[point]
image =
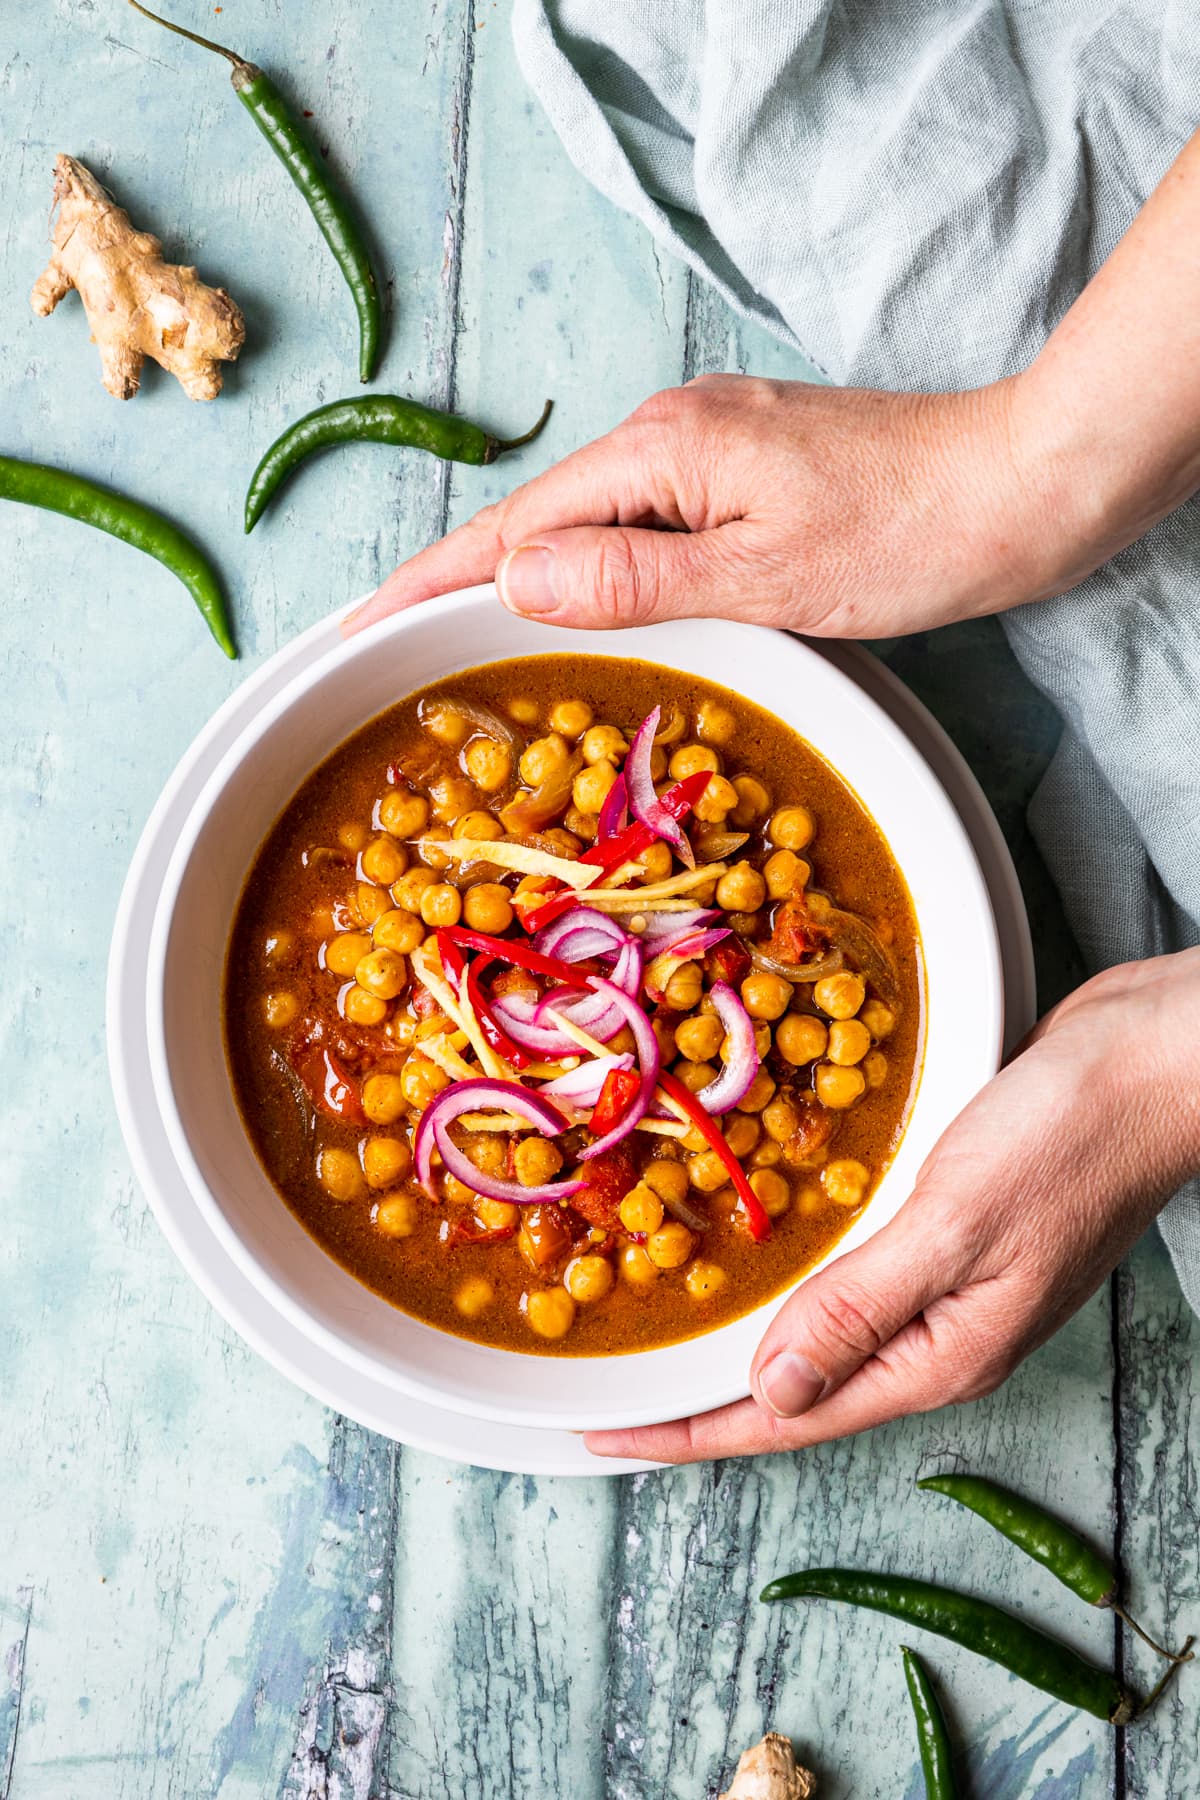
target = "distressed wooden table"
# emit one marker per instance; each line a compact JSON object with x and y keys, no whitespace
{"x":208,"y":1585}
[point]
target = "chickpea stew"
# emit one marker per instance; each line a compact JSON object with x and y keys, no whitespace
{"x":574,"y":1005}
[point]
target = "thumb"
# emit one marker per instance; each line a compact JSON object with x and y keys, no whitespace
{"x":594,"y":577}
{"x":837,"y":1320}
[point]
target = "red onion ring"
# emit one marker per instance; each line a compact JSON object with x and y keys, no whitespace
{"x":647,"y":808}
{"x":660,"y":926}
{"x":479,"y":1095}
{"x":614,"y":814}
{"x":518,"y":1016}
{"x":551,"y":938}
{"x":737,"y":1077}
{"x":592,"y":1012}
{"x":581,"y":1086}
{"x":648,"y":1061}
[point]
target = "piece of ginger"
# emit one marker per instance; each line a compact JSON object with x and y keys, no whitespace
{"x":136,"y":304}
{"x":769,"y":1771}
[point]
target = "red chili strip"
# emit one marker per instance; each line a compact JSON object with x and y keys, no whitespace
{"x":491,"y":1027}
{"x":710,"y":1131}
{"x":453,"y":961}
{"x":506,"y":950}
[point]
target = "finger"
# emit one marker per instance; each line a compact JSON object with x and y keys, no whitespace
{"x":616,"y":479}
{"x":839,"y":1319}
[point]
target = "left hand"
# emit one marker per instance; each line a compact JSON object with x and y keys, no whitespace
{"x":1027,"y":1202}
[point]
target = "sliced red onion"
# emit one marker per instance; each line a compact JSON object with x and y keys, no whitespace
{"x":648,"y":1062}
{"x":552,"y":938}
{"x":645,"y":803}
{"x":691,"y":944}
{"x":661,"y":926}
{"x":614,"y":814}
{"x":583,"y":943}
{"x":737,"y":1077}
{"x":581,"y":1086}
{"x":518,"y":1016}
{"x":591,"y":1012}
{"x":477,"y":1096}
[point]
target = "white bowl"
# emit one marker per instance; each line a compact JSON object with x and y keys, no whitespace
{"x":265,"y":765}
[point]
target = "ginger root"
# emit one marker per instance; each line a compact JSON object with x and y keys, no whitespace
{"x":769,"y":1771}
{"x":136,"y":304}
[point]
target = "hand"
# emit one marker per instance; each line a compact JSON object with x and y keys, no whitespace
{"x":1028,"y":1201}
{"x":838,"y":512}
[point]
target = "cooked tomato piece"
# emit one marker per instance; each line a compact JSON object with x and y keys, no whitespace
{"x":616,"y":1097}
{"x":813,"y":1132}
{"x":794,"y":933}
{"x":727,"y":961}
{"x":470,"y":1231}
{"x":609,"y":1178}
{"x":544,"y":1236}
{"x":327,"y":1083}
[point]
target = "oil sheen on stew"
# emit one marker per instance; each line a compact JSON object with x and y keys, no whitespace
{"x":750,"y":1054}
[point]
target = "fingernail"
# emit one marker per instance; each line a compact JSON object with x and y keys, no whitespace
{"x":789,"y":1384}
{"x":525,"y":579}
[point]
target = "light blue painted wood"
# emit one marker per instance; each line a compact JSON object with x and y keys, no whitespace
{"x":208,"y":1586}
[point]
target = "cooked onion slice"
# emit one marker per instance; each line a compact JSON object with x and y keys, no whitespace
{"x":472,"y":1096}
{"x":647,"y":808}
{"x":737,"y":1077}
{"x":828,"y":963}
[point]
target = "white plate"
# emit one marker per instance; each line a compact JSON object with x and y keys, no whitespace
{"x":316,"y":1367}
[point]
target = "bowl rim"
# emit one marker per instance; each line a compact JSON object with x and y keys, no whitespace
{"x":987,"y":1038}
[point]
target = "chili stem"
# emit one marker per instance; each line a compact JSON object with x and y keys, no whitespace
{"x":1181,"y":1656}
{"x":239,"y":62}
{"x":1167,"y":1675}
{"x":497,"y":446}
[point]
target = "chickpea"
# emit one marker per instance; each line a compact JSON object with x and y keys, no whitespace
{"x":483,"y":827}
{"x":571,"y":718}
{"x":339,"y":1174}
{"x":641,"y":1209}
{"x":849,"y":1041}
{"x":342,"y":954}
{"x":696,"y":1075}
{"x":370,"y":903}
{"x":591,"y":786}
{"x":792,"y":827}
{"x":563,"y":843}
{"x":382,"y":973}
{"x":352,"y":836}
{"x":785,"y":873}
{"x":603,"y":743}
{"x":397,"y":1215}
{"x":399,"y":931}
{"x":496,"y":1215}
{"x":655,"y":863}
{"x":875,"y":1068}
{"x":488,"y":908}
{"x":694,"y":1142}
{"x":879,"y":1019}
{"x":621,"y":1041}
{"x":280,"y":1009}
{"x":383,"y":861}
{"x":588,"y":1278}
{"x":703,"y":1279}
{"x":410,"y":889}
{"x":670,"y":1246}
{"x":741,"y":888}
{"x":840,"y":995}
{"x":536,"y":1160}
{"x":321,"y":922}
{"x":837,"y":1088}
{"x":741,"y":1134}
{"x":583,"y":825}
{"x":550,"y":1312}
{"x":421,"y":1080}
{"x":706,"y":1172}
{"x":780,"y":1119}
{"x":766,"y":996}
{"x":800,"y":1038}
{"x":758,"y":1093}
{"x":658,"y":765}
{"x":444,"y":722}
{"x":689,"y":759}
{"x":845,"y":1181}
{"x":766,"y":1154}
{"x":280,"y":947}
{"x":474,"y":1296}
{"x":635,"y":1267}
{"x":488,"y":763}
{"x":441,"y":904}
{"x":401,"y":1031}
{"x":523,"y":710}
{"x":753,"y":801}
{"x":489,"y":1152}
{"x":684,"y":988}
{"x":544,"y":758}
{"x":383,"y":1098}
{"x":386,"y":1161}
{"x":716,"y":802}
{"x":362,"y":1008}
{"x":762,"y":1041}
{"x":665,"y":1178}
{"x":715,"y":724}
{"x":404,"y":813}
{"x":699,"y":1039}
{"x":457,"y":1192}
{"x":436,"y":859}
{"x":449,"y":796}
{"x":773,"y":1191}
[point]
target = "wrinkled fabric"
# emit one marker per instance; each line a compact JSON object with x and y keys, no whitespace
{"x":913,"y":196}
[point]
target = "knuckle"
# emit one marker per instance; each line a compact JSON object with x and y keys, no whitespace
{"x":839,"y":1322}
{"x":619,"y":580}
{"x":662,"y":408}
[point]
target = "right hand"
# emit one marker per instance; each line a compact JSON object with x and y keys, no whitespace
{"x":833,"y":511}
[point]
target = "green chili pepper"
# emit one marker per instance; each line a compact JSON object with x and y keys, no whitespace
{"x":932,"y":1739}
{"x":376,"y":419}
{"x":975,"y":1624}
{"x":304,"y":163}
{"x":34,"y":484}
{"x":1047,"y":1540}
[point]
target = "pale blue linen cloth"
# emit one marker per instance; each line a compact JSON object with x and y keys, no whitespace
{"x":913,"y":195}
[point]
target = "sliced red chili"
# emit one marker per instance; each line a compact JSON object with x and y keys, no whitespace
{"x":616,"y":1096}
{"x":491,"y":1027}
{"x":327,"y":1084}
{"x":453,"y":961}
{"x":506,"y":950}
{"x":710,"y":1131}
